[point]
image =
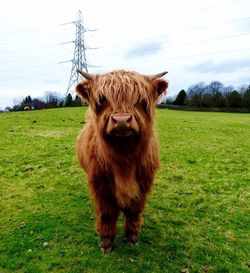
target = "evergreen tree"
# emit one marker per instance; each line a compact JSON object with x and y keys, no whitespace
{"x":181,"y":98}
{"x":234,"y":99}
{"x":77,"y":102}
{"x":27,"y":100}
{"x":68,"y":101}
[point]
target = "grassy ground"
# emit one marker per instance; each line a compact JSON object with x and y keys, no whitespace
{"x":197,"y":217}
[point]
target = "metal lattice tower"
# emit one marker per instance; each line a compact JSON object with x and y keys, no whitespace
{"x":79,"y":60}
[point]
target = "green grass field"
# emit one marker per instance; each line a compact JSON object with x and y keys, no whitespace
{"x":197,"y":218}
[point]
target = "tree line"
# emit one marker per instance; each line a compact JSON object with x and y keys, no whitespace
{"x":50,"y":100}
{"x":213,"y":95}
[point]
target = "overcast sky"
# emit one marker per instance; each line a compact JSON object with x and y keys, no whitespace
{"x":194,"y":40}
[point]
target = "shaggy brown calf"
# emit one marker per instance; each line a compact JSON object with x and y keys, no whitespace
{"x":117,"y":148}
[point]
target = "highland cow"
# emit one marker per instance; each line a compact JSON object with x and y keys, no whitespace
{"x":117,"y":147}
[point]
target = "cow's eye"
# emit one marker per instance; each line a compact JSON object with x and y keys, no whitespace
{"x":144,"y":106}
{"x":100,"y":104}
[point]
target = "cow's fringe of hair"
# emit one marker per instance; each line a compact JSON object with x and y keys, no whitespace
{"x":122,"y":87}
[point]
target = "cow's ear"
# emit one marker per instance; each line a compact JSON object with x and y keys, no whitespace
{"x":160,"y":86}
{"x":83,"y":89}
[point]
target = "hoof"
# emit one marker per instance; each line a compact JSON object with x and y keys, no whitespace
{"x":133,"y":238}
{"x":106,"y":244}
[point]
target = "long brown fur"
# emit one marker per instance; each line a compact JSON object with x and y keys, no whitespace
{"x":120,"y":171}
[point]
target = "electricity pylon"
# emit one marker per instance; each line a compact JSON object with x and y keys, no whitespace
{"x":79,"y":60}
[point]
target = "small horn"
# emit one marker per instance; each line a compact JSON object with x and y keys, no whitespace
{"x":86,"y":75}
{"x":159,"y":75}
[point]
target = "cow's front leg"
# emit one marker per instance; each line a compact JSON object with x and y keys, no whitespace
{"x":133,"y":215}
{"x":106,"y":227}
{"x":107,"y":211}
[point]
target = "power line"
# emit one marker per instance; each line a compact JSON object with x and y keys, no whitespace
{"x":133,"y":52}
{"x":137,"y":51}
{"x":180,"y":44}
{"x":31,"y":76}
{"x":176,"y":15}
{"x":146,"y":38}
{"x":28,"y":67}
{"x":146,"y":61}
{"x":185,"y":56}
{"x":58,"y":25}
{"x":222,"y":23}
{"x":184,"y":31}
{"x":16,"y":43}
{"x":142,"y":39}
{"x":118,"y":54}
{"x":35,"y":57}
{"x":203,"y":9}
{"x":197,"y":28}
{"x":29,"y":48}
{"x":29,"y":29}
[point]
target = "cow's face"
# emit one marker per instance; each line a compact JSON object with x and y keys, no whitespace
{"x":122,"y":103}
